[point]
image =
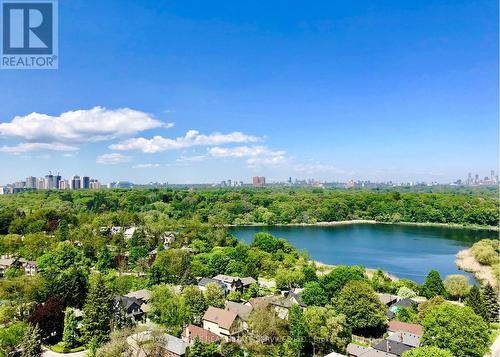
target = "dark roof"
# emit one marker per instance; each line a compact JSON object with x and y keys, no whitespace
{"x":393,"y":347}
{"x":128,"y":302}
{"x":205,"y":281}
{"x":406,"y":302}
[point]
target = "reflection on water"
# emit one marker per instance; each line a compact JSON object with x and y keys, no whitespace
{"x":403,"y":250}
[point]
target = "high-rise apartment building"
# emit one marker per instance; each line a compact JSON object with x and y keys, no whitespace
{"x":76,"y":183}
{"x":85,"y":182}
{"x":31,"y":182}
{"x":259,"y":181}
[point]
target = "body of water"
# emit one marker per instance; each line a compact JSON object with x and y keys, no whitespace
{"x":403,"y":250}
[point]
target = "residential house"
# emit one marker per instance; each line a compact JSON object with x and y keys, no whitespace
{"x":234,"y":283}
{"x":280,"y":304}
{"x":165,"y":345}
{"x":6,"y":263}
{"x":129,"y":233}
{"x":143,"y":296}
{"x":405,"y":338}
{"x":243,"y":311}
{"x":335,"y":354}
{"x":387,"y":299}
{"x":394,"y":347}
{"x":354,"y":350}
{"x":131,"y":307}
{"x":202,"y":284}
{"x":226,"y":324}
{"x":400,"y":304}
{"x":295,"y":297}
{"x":398,"y":326}
{"x":191,"y":332}
{"x":29,"y":266}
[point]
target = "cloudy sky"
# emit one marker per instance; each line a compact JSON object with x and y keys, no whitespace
{"x":189,"y":92}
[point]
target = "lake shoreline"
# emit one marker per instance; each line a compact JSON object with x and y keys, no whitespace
{"x":482,"y":273}
{"x":366,"y":221}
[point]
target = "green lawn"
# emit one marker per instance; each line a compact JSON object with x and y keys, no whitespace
{"x":59,"y":348}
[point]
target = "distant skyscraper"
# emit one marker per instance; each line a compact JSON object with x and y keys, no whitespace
{"x":31,"y":182}
{"x":63,"y":185}
{"x":75,"y":183}
{"x":50,"y":182}
{"x":492,"y":174}
{"x":40,"y":185}
{"x":259,"y":181}
{"x":85,"y":182}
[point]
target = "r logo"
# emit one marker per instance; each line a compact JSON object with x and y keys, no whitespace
{"x":27,"y":28}
{"x":29,"y":33}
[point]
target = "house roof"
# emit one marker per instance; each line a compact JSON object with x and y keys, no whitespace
{"x":387,"y":299}
{"x":406,"y":302}
{"x":297,"y":297}
{"x":205,"y":281}
{"x":355,"y":350}
{"x":143,"y":294}
{"x":243,"y":311}
{"x":127,"y":302}
{"x":168,"y":342}
{"x":248,"y":281}
{"x":393,"y":347}
{"x":206,"y":336}
{"x":226,"y":278}
{"x":406,"y":338}
{"x":334,"y":354}
{"x":376,"y":353}
{"x":7,"y":261}
{"x":398,"y":326}
{"x":221,"y":317}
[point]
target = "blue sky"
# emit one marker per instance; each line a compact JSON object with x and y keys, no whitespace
{"x":197,"y":91}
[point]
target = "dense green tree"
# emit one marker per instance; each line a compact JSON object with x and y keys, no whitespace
{"x":289,"y":278}
{"x":171,"y":266}
{"x":194,"y":303}
{"x":326,"y":330}
{"x":201,"y":349}
{"x":97,"y":311}
{"x":65,"y":272}
{"x":309,"y":272}
{"x":456,"y":286}
{"x":70,"y":335}
{"x":11,"y":337}
{"x":167,"y":308}
{"x":406,"y":293}
{"x":429,"y":305}
{"x":433,"y":285}
{"x":491,"y":301}
{"x":297,"y":334}
{"x":334,"y":281}
{"x":62,"y":233}
{"x":214,"y":295}
{"x":265,"y":242}
{"x":104,"y":259}
{"x":457,"y":329}
{"x":475,"y":300}
{"x":427,"y":352}
{"x":364,"y":312}
{"x":314,"y":294}
{"x":32,"y":342}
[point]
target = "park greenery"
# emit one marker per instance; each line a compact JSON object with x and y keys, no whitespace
{"x":82,"y":266}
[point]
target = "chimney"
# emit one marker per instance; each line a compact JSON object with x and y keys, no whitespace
{"x":401,"y":337}
{"x":388,"y":348}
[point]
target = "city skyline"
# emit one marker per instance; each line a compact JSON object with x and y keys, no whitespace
{"x":190,"y":94}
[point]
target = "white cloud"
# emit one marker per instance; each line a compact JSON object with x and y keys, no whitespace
{"x":257,"y":156}
{"x":192,"y":138}
{"x":26,"y":147}
{"x":146,"y":166}
{"x":196,"y":158}
{"x":79,"y":126}
{"x":113,"y":159}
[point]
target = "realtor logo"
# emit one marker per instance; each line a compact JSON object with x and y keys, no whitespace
{"x":29,"y":34}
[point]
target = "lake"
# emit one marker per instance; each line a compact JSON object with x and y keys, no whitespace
{"x":402,"y":250}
